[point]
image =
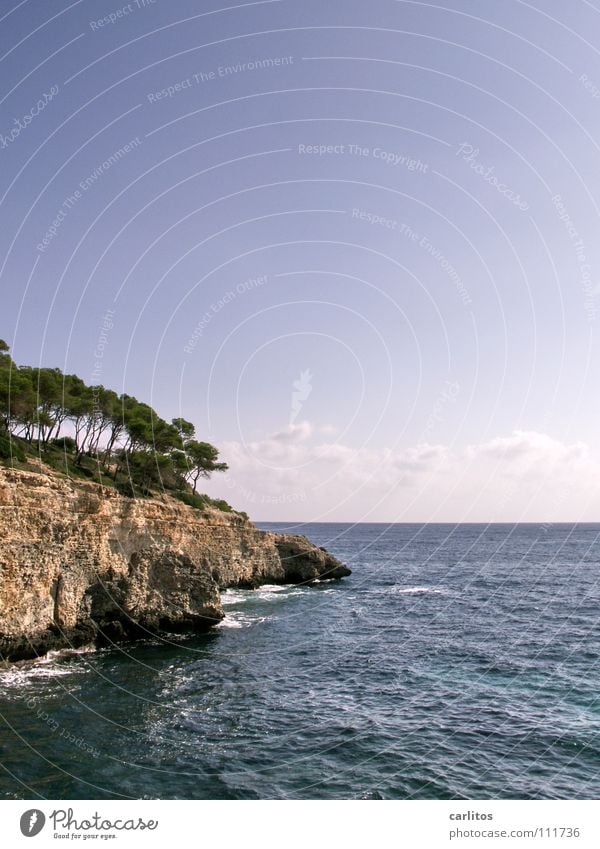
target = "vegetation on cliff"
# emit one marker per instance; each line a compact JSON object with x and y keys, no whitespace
{"x":91,"y":431}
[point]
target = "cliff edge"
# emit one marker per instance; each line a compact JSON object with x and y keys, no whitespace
{"x":81,"y":564}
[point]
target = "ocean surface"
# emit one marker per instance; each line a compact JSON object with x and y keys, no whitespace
{"x":456,"y":662}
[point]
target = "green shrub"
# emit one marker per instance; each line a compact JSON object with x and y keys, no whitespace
{"x":220,"y":505}
{"x":197,"y":501}
{"x":10,"y":449}
{"x":125,"y":487}
{"x":201,"y":502}
{"x":65,"y":443}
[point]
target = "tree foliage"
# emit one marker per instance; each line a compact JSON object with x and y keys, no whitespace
{"x":49,"y":410}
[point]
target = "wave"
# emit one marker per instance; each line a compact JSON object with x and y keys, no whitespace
{"x":241,"y":620}
{"x":418,"y":590}
{"x":51,"y":665}
{"x":268,"y":592}
{"x":234,"y":597}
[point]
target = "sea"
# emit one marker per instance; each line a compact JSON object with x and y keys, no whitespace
{"x":456,"y":662}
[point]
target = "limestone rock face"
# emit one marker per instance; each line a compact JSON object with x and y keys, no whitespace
{"x":80,"y":563}
{"x":304,"y":562}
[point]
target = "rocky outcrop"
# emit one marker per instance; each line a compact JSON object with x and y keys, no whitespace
{"x":303,"y":562}
{"x":80,"y":563}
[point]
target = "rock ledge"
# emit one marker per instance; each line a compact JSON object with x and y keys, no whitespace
{"x":81,"y":564}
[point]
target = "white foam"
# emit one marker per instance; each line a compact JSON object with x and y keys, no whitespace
{"x":229,"y":622}
{"x":267,"y":592}
{"x":48,"y":666}
{"x":417,"y":590}
{"x":241,"y":620}
{"x":234,"y":597}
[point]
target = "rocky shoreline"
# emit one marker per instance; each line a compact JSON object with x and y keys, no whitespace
{"x":81,"y":564}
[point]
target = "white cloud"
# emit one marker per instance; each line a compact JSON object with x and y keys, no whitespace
{"x":294,"y":433}
{"x":297,"y":473}
{"x":529,"y":447}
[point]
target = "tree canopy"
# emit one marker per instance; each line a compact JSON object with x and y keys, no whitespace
{"x":46,"y":410}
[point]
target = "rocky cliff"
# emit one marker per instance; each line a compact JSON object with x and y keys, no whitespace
{"x":80,"y":563}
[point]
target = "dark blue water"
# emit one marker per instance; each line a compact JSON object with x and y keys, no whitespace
{"x":456,"y":662}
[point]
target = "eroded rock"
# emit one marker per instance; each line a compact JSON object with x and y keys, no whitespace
{"x":81,"y":564}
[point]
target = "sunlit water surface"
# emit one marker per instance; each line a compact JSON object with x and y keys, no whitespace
{"x":455,"y":662}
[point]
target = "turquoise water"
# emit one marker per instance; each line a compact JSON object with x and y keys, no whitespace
{"x":455,"y":662}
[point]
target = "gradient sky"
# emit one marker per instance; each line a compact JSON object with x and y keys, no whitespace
{"x":397,"y":325}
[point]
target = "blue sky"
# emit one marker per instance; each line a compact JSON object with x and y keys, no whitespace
{"x":355,"y":243}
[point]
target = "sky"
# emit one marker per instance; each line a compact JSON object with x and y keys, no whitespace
{"x":355,"y":244}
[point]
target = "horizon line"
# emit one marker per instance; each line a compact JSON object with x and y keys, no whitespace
{"x":339,"y":522}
